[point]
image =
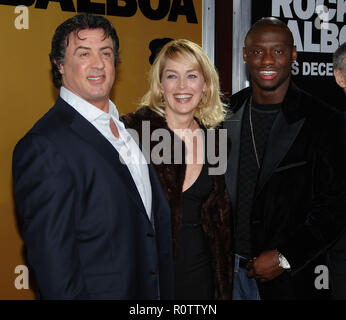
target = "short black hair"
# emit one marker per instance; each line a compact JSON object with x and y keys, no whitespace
{"x":339,"y":58}
{"x":155,"y":46}
{"x":75,"y":24}
{"x":271,"y":21}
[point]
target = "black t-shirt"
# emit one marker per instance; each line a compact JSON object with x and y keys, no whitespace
{"x":251,"y":141}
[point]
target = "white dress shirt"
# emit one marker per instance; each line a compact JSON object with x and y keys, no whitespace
{"x":128,"y":149}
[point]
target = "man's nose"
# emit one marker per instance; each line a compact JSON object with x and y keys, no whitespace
{"x":98,"y":61}
{"x":268,"y":58}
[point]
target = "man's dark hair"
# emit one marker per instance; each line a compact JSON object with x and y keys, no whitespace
{"x":271,"y":21}
{"x":75,"y":24}
{"x":339,"y":58}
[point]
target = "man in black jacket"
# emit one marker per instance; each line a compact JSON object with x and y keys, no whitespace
{"x":96,"y":225}
{"x":338,"y":251}
{"x":285,"y":175}
{"x":339,"y":63}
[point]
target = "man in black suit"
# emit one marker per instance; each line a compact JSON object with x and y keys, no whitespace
{"x":285,"y":175}
{"x":95,"y":221}
{"x":339,"y":63}
{"x":338,"y":251}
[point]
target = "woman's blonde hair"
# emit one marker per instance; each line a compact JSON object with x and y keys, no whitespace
{"x":210,"y":111}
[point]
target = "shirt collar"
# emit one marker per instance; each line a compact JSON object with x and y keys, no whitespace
{"x":86,"y":109}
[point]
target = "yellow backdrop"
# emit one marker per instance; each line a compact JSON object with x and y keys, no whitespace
{"x":27,"y":91}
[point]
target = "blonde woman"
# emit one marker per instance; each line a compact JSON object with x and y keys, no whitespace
{"x":184,"y":101}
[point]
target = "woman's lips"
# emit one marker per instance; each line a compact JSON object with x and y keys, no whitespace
{"x":183,"y":98}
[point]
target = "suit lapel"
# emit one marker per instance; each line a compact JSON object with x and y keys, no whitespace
{"x":281,"y":138}
{"x":93,"y":137}
{"x":233,"y":126}
{"x":283,"y":133}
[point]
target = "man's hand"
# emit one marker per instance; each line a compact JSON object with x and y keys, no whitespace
{"x":265,"y":267}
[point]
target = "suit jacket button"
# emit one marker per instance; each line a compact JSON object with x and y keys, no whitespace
{"x":153,"y":271}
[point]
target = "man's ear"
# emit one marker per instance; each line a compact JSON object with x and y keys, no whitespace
{"x":60,"y":67}
{"x":244,"y":54}
{"x":340,"y":79}
{"x":294,"y":53}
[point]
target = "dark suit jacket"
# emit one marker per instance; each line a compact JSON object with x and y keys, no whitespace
{"x":337,"y":254}
{"x":83,"y":222}
{"x":299,"y":205}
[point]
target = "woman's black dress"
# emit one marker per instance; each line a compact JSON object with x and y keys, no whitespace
{"x":193,"y":273}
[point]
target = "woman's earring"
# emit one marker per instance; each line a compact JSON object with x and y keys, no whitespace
{"x":203,"y":100}
{"x":162,"y":99}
